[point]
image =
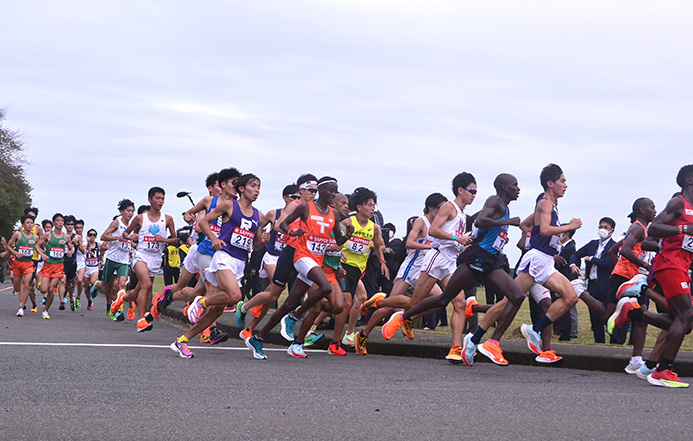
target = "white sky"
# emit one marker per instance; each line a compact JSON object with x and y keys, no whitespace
{"x":398,"y":96}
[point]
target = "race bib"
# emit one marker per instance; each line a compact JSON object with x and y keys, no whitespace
{"x":124,"y":245}
{"x":92,"y":262}
{"x":242,"y":238}
{"x":555,"y":241}
{"x":528,"y":246}
{"x":687,"y":243}
{"x":216,"y":228}
{"x":57,"y":253}
{"x":26,"y":251}
{"x":358,"y":245}
{"x":500,"y":241}
{"x":316,"y":245}
{"x":280,"y":242}
{"x":152,"y":244}
{"x":336,"y":253}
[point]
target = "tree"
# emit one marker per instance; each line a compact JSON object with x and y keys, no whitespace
{"x":14,"y":188}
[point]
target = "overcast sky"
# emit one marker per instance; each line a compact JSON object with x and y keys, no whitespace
{"x":116,"y":97}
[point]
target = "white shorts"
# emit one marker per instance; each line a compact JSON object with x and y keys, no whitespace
{"x":90,"y":270}
{"x":81,"y":264}
{"x":438,"y":265}
{"x":190,"y":262}
{"x":153,"y":261}
{"x":539,"y":293}
{"x":303,"y":266}
{"x":267,"y":259}
{"x":410,"y":269}
{"x":539,"y":265}
{"x":222,"y":261}
{"x":203,"y":261}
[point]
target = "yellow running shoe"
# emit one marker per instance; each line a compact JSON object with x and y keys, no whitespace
{"x":455,"y":355}
{"x":407,"y":329}
{"x":371,"y":304}
{"x":361,"y":344}
{"x":204,"y":337}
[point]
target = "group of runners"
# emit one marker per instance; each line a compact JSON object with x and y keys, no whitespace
{"x":318,"y":244}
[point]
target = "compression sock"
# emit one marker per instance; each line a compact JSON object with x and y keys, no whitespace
{"x":182,"y":339}
{"x":543,"y":324}
{"x":651,"y":364}
{"x":478,"y":334}
{"x":635,"y":314}
{"x":664,"y":364}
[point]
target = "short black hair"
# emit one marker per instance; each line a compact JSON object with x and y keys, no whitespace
{"x":290,"y":189}
{"x":227,"y":174}
{"x":245,"y":180}
{"x":609,"y":221}
{"x":155,"y":190}
{"x":28,"y":210}
{"x":46,"y":222}
{"x":212,"y":179}
{"x":462,"y":180}
{"x":90,"y":230}
{"x":433,"y":201}
{"x":25,"y":217}
{"x":79,"y":222}
{"x":362,"y":195}
{"x":685,"y":173}
{"x":123,"y":204}
{"x":551,"y":172}
{"x":57,"y":215}
{"x":142,"y":208}
{"x":69,"y":218}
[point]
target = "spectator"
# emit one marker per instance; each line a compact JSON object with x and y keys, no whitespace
{"x":567,"y":325}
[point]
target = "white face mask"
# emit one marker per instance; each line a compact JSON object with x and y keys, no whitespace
{"x":603,"y":233}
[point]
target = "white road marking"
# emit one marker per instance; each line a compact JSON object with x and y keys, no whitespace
{"x":116,"y":345}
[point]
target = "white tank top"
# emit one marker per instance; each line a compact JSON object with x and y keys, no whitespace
{"x":149,"y":229}
{"x":416,"y":256}
{"x":118,"y":250}
{"x":458,"y":226}
{"x":80,"y":256}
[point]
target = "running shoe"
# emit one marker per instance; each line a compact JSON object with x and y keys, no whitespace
{"x":204,"y":336}
{"x":336,"y":349}
{"x":312,"y":338}
{"x":132,"y":311}
{"x":155,"y":305}
{"x":548,"y":356}
{"x":20,"y":312}
{"x":115,"y":306}
{"x":72,"y":305}
{"x":195,"y":310}
{"x":185,"y":309}
{"x":14,"y":293}
{"x":349,"y":339}
{"x":407,"y":330}
{"x":255,"y":345}
{"x":296,"y":350}
{"x":632,"y":368}
{"x":392,"y":325}
{"x":77,"y":303}
{"x":643,"y":372}
{"x":182,"y":349}
{"x":256,"y":311}
{"x":468,"y":350}
{"x":118,"y":316}
{"x":166,"y":298}
{"x":34,"y":309}
{"x":246,"y":333}
{"x":360,"y":345}
{"x":620,"y":316}
{"x":665,"y":378}
{"x":45,"y":315}
{"x":145,"y":324}
{"x":579,"y":286}
{"x":632,"y":288}
{"x":371,"y":304}
{"x":468,"y":309}
{"x":288,"y":324}
{"x":240,"y":315}
{"x":43,"y":302}
{"x":230,"y":308}
{"x":216,"y":336}
{"x":93,"y":292}
{"x":62,"y":306}
{"x":90,"y":306}
{"x":455,"y":355}
{"x":494,"y":352}
{"x":533,"y":338}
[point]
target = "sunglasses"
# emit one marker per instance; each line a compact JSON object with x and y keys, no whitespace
{"x":471,"y":190}
{"x":91,"y":235}
{"x":294,"y":196}
{"x":69,"y":224}
{"x":312,"y":190}
{"x":79,"y":227}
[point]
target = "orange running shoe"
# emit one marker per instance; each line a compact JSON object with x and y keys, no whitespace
{"x":132,"y":310}
{"x":256,"y":311}
{"x":548,"y":356}
{"x":407,"y":329}
{"x":455,"y":355}
{"x":145,"y":324}
{"x":468,"y":309}
{"x":392,"y":325}
{"x":185,"y":310}
{"x":371,"y":304}
{"x":360,"y":341}
{"x":115,"y":306}
{"x":204,"y":337}
{"x":335,"y":348}
{"x":494,"y":352}
{"x":155,"y":305}
{"x":246,"y":334}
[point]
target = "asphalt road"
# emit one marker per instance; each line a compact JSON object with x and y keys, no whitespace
{"x":82,"y":376}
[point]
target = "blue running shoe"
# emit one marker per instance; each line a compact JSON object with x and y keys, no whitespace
{"x":468,"y":350}
{"x":533,"y":338}
{"x":643,"y":372}
{"x":255,"y":345}
{"x":240,"y":316}
{"x":296,"y":350}
{"x":288,"y":325}
{"x":312,"y":338}
{"x":632,"y":288}
{"x":93,"y":292}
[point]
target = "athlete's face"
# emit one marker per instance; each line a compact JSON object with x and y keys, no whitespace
{"x":366,"y":210}
{"x":341,"y":204}
{"x":228,"y":188}
{"x":69,"y":226}
{"x":48,"y":228}
{"x":308,"y":193}
{"x":128,"y":213}
{"x":91,"y":237}
{"x":650,"y":212}
{"x":328,"y":192}
{"x":468,"y":193}
{"x":251,"y":191}
{"x":28,"y":224}
{"x":292,"y":197}
{"x":513,"y":190}
{"x":215,"y":190}
{"x":157,"y":201}
{"x":58,"y":223}
{"x":559,"y":187}
{"x":434,"y":210}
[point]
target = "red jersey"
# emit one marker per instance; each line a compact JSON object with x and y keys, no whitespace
{"x":318,"y":228}
{"x":625,"y":267}
{"x":677,"y":251}
{"x":291,"y":240}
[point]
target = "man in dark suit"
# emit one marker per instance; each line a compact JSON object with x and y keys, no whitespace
{"x":598,"y":267}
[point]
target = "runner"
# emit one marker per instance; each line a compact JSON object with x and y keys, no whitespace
{"x":21,"y":246}
{"x":92,"y":262}
{"x":38,"y":232}
{"x":317,"y":220}
{"x":240,"y":222}
{"x":55,"y":244}
{"x":67,"y":284}
{"x":148,"y":256}
{"x":418,"y":243}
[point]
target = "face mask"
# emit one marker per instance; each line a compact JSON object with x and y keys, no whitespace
{"x":603,"y":234}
